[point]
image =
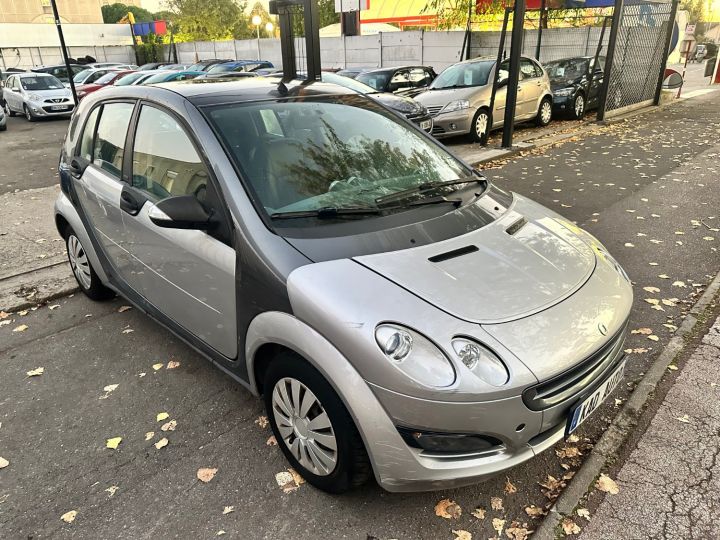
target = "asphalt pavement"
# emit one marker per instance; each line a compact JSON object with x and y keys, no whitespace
{"x":636,"y":185}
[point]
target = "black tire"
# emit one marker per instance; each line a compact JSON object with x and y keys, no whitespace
{"x":95,"y":290}
{"x":10,"y":111}
{"x":3,"y":128}
{"x":28,"y":115}
{"x":476,"y":132}
{"x":578,"y":107}
{"x":544,"y":114}
{"x":352,"y":467}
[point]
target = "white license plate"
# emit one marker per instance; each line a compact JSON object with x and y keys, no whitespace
{"x":580,"y":412}
{"x":58,"y":108}
{"x":426,"y":125}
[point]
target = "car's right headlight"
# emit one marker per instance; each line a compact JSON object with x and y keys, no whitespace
{"x":415,"y":355}
{"x":484,"y":363}
{"x":458,"y":105}
{"x":34,"y":97}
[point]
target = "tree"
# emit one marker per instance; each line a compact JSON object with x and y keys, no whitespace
{"x":206,"y":20}
{"x":114,"y":12}
{"x":326,"y":15}
{"x":695,"y":9}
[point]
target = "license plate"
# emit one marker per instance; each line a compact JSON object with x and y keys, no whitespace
{"x":58,"y":108}
{"x":580,"y":412}
{"x":426,"y":125}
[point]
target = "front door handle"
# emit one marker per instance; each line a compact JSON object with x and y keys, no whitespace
{"x":130,"y":202}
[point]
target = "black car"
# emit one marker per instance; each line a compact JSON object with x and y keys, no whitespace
{"x":576,"y":83}
{"x":205,"y":65}
{"x":352,"y":72}
{"x":151,"y":66}
{"x":60,"y":71}
{"x":406,"y":80}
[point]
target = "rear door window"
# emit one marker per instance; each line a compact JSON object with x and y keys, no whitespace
{"x":109,"y":146}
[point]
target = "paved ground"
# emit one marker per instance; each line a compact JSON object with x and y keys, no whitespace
{"x":668,"y":487}
{"x":654,"y":176}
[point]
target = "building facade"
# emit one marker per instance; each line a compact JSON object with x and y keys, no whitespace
{"x":40,"y":11}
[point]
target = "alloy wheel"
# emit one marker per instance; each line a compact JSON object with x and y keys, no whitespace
{"x":304,"y":426}
{"x":28,"y":115}
{"x":545,"y":112}
{"x":579,"y":105}
{"x":79,"y":261}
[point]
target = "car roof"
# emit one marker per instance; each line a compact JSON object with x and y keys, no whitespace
{"x":34,"y":74}
{"x":390,"y":69}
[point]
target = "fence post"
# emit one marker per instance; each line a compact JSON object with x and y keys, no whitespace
{"x":381,"y":47}
{"x":516,"y":43}
{"x":617,"y":18}
{"x":665,"y":52}
{"x":587,"y":41}
{"x":344,"y":38}
{"x":422,"y":47}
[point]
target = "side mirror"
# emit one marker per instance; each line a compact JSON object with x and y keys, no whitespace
{"x":78,"y":166}
{"x":502,"y":83}
{"x":182,"y":212}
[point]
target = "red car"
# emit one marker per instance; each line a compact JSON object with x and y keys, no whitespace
{"x":106,"y":80}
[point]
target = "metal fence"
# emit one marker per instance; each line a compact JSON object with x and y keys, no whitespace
{"x":638,"y":55}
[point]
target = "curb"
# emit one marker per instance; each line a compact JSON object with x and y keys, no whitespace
{"x":619,"y":430}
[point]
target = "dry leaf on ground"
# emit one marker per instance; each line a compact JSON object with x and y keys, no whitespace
{"x":607,"y":484}
{"x":509,"y":486}
{"x":498,"y":524}
{"x":20,"y":328}
{"x":157,"y":366}
{"x":111,"y":490}
{"x":516,"y":532}
{"x":162,"y":416}
{"x":653,"y":338}
{"x":36,"y":372}
{"x":570,"y":527}
{"x":69,"y":517}
{"x":172,"y":364}
{"x":149,"y":435}
{"x":162,"y":443}
{"x":170,"y":426}
{"x":289,"y":480}
{"x":583,"y":513}
{"x":123,"y":309}
{"x":642,"y":331}
{"x":448,"y":509}
{"x":262,"y":421}
{"x":568,"y":452}
{"x":496,"y":503}
{"x":651,"y":289}
{"x":110,"y":388}
{"x":534,"y":511}
{"x":479,"y":513}
{"x":4,"y":315}
{"x":462,"y":535}
{"x":3,"y":463}
{"x":113,"y":443}
{"x":205,"y":474}
{"x":685,"y":419}
{"x":272,"y":441}
{"x":228,"y":509}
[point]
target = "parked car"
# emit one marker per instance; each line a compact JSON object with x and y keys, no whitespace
{"x":408,"y":80}
{"x":171,"y":76}
{"x":576,"y":84}
{"x":3,"y":117}
{"x":116,"y":65}
{"x":145,"y":75}
{"x":108,"y":79}
{"x":37,"y":95}
{"x":241,"y":66}
{"x":132,"y":77}
{"x":60,"y":71}
{"x":176,"y":67}
{"x":153,"y":65}
{"x":353,"y":71}
{"x":91,"y":75}
{"x":205,"y":65}
{"x":400,"y":315}
{"x":228,"y":75}
{"x":4,"y":74}
{"x":459,"y":99}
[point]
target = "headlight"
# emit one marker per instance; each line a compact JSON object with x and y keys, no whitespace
{"x":563,"y":92}
{"x":456,"y":106}
{"x":34,"y":97}
{"x":415,"y":355}
{"x":481,"y":361}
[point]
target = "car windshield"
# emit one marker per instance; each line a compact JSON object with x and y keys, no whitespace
{"x":339,"y":152}
{"x":571,"y":68}
{"x":377,"y":79}
{"x":80,"y":77}
{"x":349,"y":83}
{"x":106,"y":79}
{"x":221,"y":68}
{"x":130,"y":78}
{"x":158,"y":78}
{"x":47,"y":82}
{"x":464,"y":75}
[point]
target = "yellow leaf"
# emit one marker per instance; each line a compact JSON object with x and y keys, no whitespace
{"x":162,"y":416}
{"x":462,"y":535}
{"x":607,"y":484}
{"x":113,"y":443}
{"x":36,"y":372}
{"x":642,"y":331}
{"x":162,"y":443}
{"x":653,"y":338}
{"x":664,"y":276}
{"x":157,"y":366}
{"x":685,"y":419}
{"x":448,"y":509}
{"x":3,"y":463}
{"x":653,"y":301}
{"x":220,"y":533}
{"x":498,"y":524}
{"x":205,"y":475}
{"x":20,"y":328}
{"x":69,"y":517}
{"x":651,"y":289}
{"x":110,"y":388}
{"x":583,"y":513}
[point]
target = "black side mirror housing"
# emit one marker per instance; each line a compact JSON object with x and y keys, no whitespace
{"x":503,"y":83}
{"x":181,"y":212}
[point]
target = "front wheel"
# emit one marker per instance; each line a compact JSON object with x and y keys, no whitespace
{"x":83,"y":271}
{"x":480,"y":129}
{"x":28,"y":114}
{"x":312,"y":426}
{"x":544,"y":114}
{"x":578,"y":110}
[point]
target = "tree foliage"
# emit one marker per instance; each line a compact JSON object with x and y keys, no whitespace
{"x":326,"y":15}
{"x":112,"y":13}
{"x":695,"y":9}
{"x":206,"y":20}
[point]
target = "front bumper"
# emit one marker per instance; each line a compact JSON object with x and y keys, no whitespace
{"x":452,"y":124}
{"x":563,"y":104}
{"x":46,"y":109}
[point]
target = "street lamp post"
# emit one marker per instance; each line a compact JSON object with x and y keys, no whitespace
{"x":257,"y":21}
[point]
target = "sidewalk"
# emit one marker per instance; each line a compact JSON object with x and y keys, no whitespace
{"x":668,"y":487}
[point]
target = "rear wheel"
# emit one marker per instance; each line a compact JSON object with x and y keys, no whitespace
{"x":312,"y":426}
{"x":578,"y":110}
{"x":544,"y":115}
{"x":480,"y":128}
{"x":83,"y":271}
{"x":28,"y":114}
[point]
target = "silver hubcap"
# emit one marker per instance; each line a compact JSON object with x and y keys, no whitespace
{"x":545,"y":112}
{"x":27,"y":113}
{"x":304,"y":426}
{"x":579,"y":105}
{"x":481,"y":124}
{"x":79,"y":262}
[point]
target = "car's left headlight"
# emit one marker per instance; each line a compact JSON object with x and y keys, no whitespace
{"x":563,"y":91}
{"x":458,"y":105}
{"x":484,"y":363}
{"x":34,"y":97}
{"x":415,"y":355}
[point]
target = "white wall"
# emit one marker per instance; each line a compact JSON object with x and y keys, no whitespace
{"x":45,"y":35}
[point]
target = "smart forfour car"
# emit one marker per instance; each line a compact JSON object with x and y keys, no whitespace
{"x":401,"y":316}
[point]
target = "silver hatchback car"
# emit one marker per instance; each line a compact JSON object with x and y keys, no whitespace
{"x":459,"y":98}
{"x":37,"y":95}
{"x":400,"y":315}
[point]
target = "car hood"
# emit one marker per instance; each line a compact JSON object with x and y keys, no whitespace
{"x":49,"y":94}
{"x":404,"y":105}
{"x":556,"y":84}
{"x":521,"y":264}
{"x":433,"y":98}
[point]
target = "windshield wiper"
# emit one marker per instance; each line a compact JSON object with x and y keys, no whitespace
{"x":328,"y":212}
{"x":428,"y":186}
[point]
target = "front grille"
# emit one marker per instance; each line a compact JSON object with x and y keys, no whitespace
{"x":434,"y":111}
{"x":570,"y":383}
{"x":57,"y":100}
{"x":437,"y":130}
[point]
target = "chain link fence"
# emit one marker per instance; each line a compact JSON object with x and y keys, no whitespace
{"x":638,"y":55}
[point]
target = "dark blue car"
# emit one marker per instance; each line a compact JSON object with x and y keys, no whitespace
{"x":576,"y":83}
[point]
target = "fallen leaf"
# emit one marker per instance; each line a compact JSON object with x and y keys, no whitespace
{"x":36,"y":372}
{"x":110,"y":388}
{"x":111,"y":490}
{"x":299,"y":480}
{"x":570,"y":527}
{"x":3,"y":463}
{"x":653,"y":338}
{"x":534,"y":511}
{"x":708,"y":238}
{"x":123,"y":309}
{"x":162,"y":416}
{"x":664,"y":276}
{"x":653,"y":301}
{"x":462,"y":535}
{"x":629,"y":244}
{"x":149,"y":435}
{"x":607,"y":484}
{"x":685,"y":419}
{"x":679,"y":284}
{"x":113,"y":443}
{"x":498,"y":524}
{"x":172,"y":364}
{"x":672,"y":367}
{"x":478,"y":513}
{"x":573,"y":439}
{"x":642,"y":331}
{"x":496,"y":503}
{"x":128,"y":331}
{"x":157,"y":366}
{"x":516,"y":532}
{"x":272,"y":441}
{"x":583,"y":513}
{"x":670,"y":302}
{"x":509,"y":487}
{"x":220,"y":533}
{"x":568,"y":452}
{"x":162,"y":443}
{"x":262,"y":421}
{"x":670,"y":327}
{"x":651,"y":289}
{"x":4,"y":315}
{"x":69,"y":517}
{"x":170,"y":426}
{"x":448,"y":509}
{"x":20,"y":328}
{"x":54,"y":306}
{"x":205,"y":475}
{"x":228,"y":509}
